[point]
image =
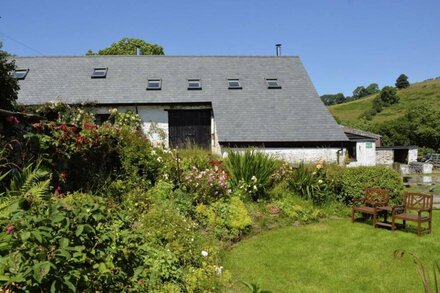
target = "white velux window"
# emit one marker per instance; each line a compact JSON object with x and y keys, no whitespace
{"x":194,"y":84}
{"x":99,"y":72}
{"x":154,"y":84}
{"x":234,"y":84}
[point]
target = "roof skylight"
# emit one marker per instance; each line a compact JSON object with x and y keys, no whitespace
{"x":99,"y":72}
{"x":194,"y":84}
{"x":20,"y":73}
{"x":234,"y":84}
{"x":272,"y":83}
{"x":154,"y":84}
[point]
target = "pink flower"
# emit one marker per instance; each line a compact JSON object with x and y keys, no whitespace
{"x":10,"y":229}
{"x":12,"y":120}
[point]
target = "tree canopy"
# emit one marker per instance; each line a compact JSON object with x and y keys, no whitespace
{"x":402,"y":81}
{"x":8,"y":84}
{"x":127,"y":46}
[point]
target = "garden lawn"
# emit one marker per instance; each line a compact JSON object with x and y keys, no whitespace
{"x":333,"y":256}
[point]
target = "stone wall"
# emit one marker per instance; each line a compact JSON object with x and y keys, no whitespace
{"x":384,"y":157}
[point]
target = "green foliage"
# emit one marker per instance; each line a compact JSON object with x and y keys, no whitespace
{"x":254,"y":288}
{"x":251,"y":171}
{"x":63,"y":113}
{"x":8,"y":84}
{"x":32,"y":181}
{"x":127,"y":46}
{"x":229,"y":219}
{"x":85,"y":243}
{"x":350,"y":183}
{"x":402,"y":81}
{"x":310,"y":182}
{"x":142,"y":164}
{"x":333,"y":99}
{"x":388,"y":96}
{"x":420,"y":126}
{"x":298,"y":209}
{"x":424,"y":275}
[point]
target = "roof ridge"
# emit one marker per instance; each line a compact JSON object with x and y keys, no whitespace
{"x":160,"y":56}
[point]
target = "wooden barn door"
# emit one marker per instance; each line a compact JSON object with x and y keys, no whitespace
{"x":190,"y":127}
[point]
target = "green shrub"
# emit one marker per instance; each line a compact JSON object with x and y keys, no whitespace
{"x":350,"y":183}
{"x":86,"y":243}
{"x":142,"y":164}
{"x":229,"y":219}
{"x":298,"y":209}
{"x":311,"y":182}
{"x":251,"y":171}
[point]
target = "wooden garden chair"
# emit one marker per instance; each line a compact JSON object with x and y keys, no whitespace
{"x":373,"y":198}
{"x":417,"y":207}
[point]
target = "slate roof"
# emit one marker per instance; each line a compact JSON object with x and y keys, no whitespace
{"x":255,"y":113}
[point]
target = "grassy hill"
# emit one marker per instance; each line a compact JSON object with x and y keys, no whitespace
{"x":427,"y":92}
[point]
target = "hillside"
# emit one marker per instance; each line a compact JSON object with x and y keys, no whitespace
{"x":427,"y":92}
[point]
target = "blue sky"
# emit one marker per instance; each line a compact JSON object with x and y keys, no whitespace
{"x":342,"y":43}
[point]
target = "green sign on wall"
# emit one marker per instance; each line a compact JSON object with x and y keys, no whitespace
{"x":369,"y":145}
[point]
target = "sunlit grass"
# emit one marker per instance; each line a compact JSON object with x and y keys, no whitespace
{"x":332,"y":256}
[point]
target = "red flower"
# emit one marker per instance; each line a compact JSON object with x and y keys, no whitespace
{"x":10,"y":229}
{"x":215,"y":162}
{"x":12,"y":120}
{"x":89,"y":126}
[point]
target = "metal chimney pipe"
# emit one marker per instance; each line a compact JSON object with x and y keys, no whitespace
{"x":278,"y":49}
{"x":138,"y":51}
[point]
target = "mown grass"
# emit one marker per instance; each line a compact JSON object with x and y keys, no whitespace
{"x":427,"y":92}
{"x":332,"y":256}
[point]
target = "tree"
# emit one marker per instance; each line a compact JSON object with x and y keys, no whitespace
{"x":333,"y":99}
{"x":359,"y":92}
{"x":8,"y":84}
{"x":128,"y":46}
{"x":372,"y":89}
{"x":388,"y":96}
{"x":402,"y":81}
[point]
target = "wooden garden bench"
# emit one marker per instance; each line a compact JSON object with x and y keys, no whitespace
{"x":373,"y":198}
{"x":417,"y":207}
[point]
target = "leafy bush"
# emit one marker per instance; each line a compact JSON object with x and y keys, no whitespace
{"x":297,"y":209}
{"x":251,"y":171}
{"x":142,"y":164}
{"x":229,"y":219}
{"x":85,"y":243}
{"x":311,"y":182}
{"x":350,"y":183}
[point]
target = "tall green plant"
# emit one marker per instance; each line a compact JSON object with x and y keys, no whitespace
{"x":424,"y":275}
{"x":250,"y":171}
{"x":32,"y":180}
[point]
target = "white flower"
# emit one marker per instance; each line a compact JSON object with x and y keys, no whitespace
{"x":159,"y":159}
{"x":204,"y":253}
{"x":319,"y":181}
{"x":218,"y":270}
{"x":255,"y":187}
{"x":254,"y":178}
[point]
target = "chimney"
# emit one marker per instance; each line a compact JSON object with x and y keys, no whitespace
{"x":278,"y":49}
{"x":138,"y":51}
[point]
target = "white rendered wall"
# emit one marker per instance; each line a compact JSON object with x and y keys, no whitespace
{"x":298,"y":155}
{"x":365,"y":154}
{"x":155,"y":124}
{"x":412,"y":155}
